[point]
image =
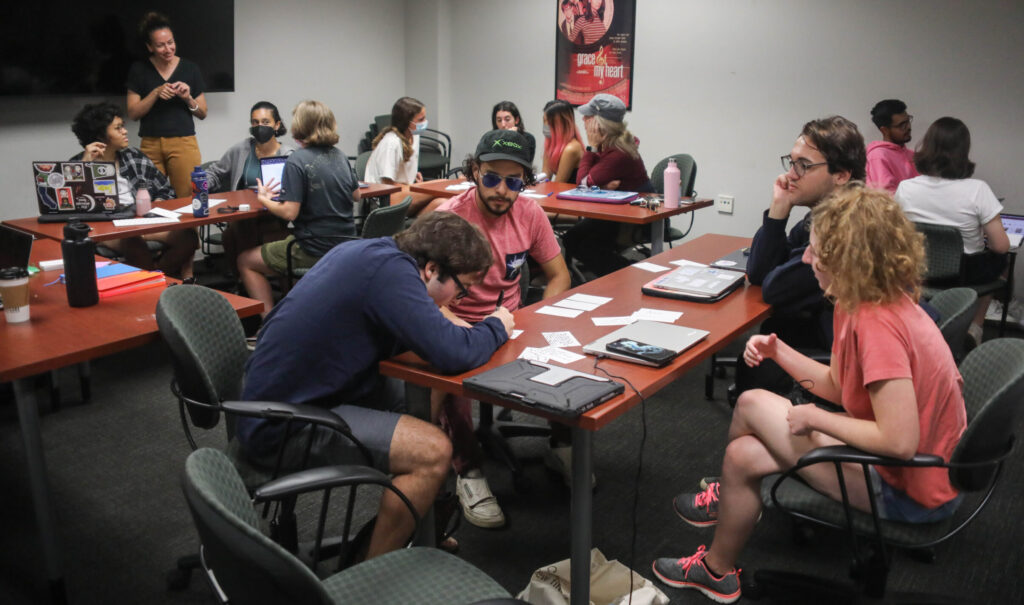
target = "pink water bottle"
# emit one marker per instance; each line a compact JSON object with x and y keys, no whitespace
{"x":671,"y":184}
{"x":143,"y":203}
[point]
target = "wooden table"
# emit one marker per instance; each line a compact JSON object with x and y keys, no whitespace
{"x":620,"y":213}
{"x":105,"y":230}
{"x":725,"y":320}
{"x":56,"y":336}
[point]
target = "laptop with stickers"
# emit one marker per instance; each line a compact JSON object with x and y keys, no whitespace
{"x":77,"y":191}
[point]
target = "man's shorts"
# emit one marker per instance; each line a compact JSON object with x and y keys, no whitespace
{"x":275,"y":256}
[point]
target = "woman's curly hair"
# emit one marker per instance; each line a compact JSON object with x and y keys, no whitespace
{"x":871,"y":249}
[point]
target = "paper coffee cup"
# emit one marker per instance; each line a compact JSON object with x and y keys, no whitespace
{"x":14,"y":292}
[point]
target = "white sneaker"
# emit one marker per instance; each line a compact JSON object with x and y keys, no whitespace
{"x":975,"y":333}
{"x":559,"y":459}
{"x":995,"y":311}
{"x":479,"y":505}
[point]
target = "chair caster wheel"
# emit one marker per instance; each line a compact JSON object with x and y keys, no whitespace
{"x":178,"y":579}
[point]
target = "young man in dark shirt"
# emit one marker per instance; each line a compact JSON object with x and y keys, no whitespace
{"x":363,"y":302}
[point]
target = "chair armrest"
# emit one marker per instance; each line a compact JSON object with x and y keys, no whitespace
{"x":274,"y":410}
{"x":846,"y":453}
{"x":501,"y":601}
{"x":318,"y":479}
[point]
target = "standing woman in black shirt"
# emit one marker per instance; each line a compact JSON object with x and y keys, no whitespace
{"x":164,"y":93}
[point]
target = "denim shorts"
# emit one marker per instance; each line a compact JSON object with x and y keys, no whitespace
{"x":896,"y":505}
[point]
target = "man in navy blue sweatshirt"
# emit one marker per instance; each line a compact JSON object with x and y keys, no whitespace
{"x":828,"y":153}
{"x":363,"y":302}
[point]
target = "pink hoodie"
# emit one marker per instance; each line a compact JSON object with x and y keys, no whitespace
{"x":888,"y":164}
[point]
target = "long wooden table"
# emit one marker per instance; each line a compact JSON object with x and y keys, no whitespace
{"x":57,"y":336}
{"x":724,"y":320}
{"x":620,"y":213}
{"x":105,"y":230}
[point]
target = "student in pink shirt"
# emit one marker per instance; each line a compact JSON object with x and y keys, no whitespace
{"x":891,"y":371}
{"x":889,"y":160}
{"x":517,"y":229}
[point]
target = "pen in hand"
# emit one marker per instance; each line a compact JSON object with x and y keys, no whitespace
{"x":501,"y":297}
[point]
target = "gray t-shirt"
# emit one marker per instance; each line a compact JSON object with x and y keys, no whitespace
{"x":321,"y":179}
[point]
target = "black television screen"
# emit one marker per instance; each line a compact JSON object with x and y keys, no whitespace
{"x":71,"y":47}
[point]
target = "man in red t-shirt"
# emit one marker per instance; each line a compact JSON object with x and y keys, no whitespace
{"x":517,"y":228}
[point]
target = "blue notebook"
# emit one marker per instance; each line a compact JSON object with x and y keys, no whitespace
{"x":603,"y":196}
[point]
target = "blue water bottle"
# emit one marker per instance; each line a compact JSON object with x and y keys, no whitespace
{"x":200,"y":193}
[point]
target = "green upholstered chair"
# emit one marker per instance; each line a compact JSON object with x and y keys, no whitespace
{"x":956,"y":308}
{"x":361,"y":161}
{"x":994,"y":394}
{"x":245,"y":566}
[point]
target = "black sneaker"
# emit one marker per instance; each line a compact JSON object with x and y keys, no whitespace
{"x":698,"y":509}
{"x":690,"y":572}
{"x":706,"y":481}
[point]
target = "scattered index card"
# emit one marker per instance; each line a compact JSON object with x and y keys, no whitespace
{"x":559,"y":311}
{"x":561,"y":339}
{"x":624,"y":320}
{"x":687,"y":263}
{"x":653,"y":268}
{"x":515,"y":334}
{"x":657,"y":315}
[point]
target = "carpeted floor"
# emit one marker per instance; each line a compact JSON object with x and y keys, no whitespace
{"x":114,"y":468}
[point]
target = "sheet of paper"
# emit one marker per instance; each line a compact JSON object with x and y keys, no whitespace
{"x":534,"y":354}
{"x":653,"y":268}
{"x":561,"y":339}
{"x":588,"y":298}
{"x":657,"y":315}
{"x":164,"y":213}
{"x":561,"y":355}
{"x":575,"y":304}
{"x":515,"y":334}
{"x":559,"y":311}
{"x":613,"y":321}
{"x":128,"y":222}
{"x":459,"y":186}
{"x":687,"y":263}
{"x":536,"y":196}
{"x":210,"y":203}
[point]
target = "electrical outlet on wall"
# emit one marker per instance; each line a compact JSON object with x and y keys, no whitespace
{"x":724,"y":203}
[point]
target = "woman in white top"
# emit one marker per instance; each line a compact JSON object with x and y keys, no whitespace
{"x":945,"y":194}
{"x":396,"y":153}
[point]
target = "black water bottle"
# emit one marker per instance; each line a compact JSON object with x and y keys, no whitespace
{"x":79,"y":265}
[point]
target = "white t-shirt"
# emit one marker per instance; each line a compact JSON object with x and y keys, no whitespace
{"x":386,"y":161}
{"x":966,"y":204}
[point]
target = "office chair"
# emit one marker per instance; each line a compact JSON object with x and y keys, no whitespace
{"x":208,"y":351}
{"x":435,"y":154}
{"x":944,"y":253}
{"x":687,"y":178}
{"x":956,"y":308}
{"x":361,"y":161}
{"x":244,"y":566}
{"x":382,"y":222}
{"x":993,"y":376}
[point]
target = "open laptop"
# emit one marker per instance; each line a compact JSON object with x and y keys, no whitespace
{"x":77,"y":191}
{"x":667,"y":336}
{"x":1014,"y":226}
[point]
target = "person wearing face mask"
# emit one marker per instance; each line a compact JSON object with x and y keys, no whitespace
{"x":239,"y":168}
{"x":396,"y":153}
{"x":562,"y":146}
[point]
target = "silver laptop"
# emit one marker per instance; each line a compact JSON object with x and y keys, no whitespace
{"x":667,"y":336}
{"x":1014,"y":226}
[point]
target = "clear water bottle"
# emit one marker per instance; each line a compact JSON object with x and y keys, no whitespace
{"x":143,"y":202}
{"x":671,"y":181}
{"x":200,"y":193}
{"x":79,"y":253}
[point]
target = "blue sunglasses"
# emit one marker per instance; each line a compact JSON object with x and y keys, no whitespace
{"x":491,"y":180}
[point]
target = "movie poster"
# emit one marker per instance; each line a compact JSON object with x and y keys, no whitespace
{"x":594,"y":49}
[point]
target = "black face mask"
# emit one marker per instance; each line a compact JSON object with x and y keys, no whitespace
{"x":262,"y":134}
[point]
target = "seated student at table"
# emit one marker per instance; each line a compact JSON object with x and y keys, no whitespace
{"x":890,"y":370}
{"x":945,"y":194}
{"x":366,"y":301}
{"x":516,"y":228}
{"x":505,"y":116}
{"x":101,"y":132}
{"x":562,"y":146}
{"x":611,"y":161}
{"x":396,"y":153}
{"x":319,"y":190}
{"x":239,"y":168}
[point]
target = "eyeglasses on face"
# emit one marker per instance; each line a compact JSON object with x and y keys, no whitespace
{"x":903,"y":124}
{"x":491,"y":180}
{"x":463,"y":290}
{"x":800,"y":167}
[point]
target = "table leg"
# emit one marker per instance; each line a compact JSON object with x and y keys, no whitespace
{"x":658,"y":236}
{"x":580,"y":517}
{"x":417,"y":403}
{"x":39,"y":485}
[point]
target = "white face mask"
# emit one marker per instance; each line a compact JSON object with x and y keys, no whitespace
{"x":420,"y":126}
{"x":547,"y":131}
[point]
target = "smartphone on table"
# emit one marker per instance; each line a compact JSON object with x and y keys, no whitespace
{"x":641,"y":350}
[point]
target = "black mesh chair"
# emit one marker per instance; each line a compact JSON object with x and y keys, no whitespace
{"x":687,"y":178}
{"x":944,"y":252}
{"x":993,"y":392}
{"x":245,"y":566}
{"x":956,"y":308}
{"x":209,"y":352}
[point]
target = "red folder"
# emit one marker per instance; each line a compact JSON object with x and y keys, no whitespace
{"x":129,"y":282}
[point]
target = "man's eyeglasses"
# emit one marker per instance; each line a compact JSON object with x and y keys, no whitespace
{"x":491,"y":180}
{"x":799,"y":167}
{"x":463,"y":290}
{"x":904,"y":124}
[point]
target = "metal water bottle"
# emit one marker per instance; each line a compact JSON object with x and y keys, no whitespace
{"x":79,"y":253}
{"x":671,"y":184}
{"x":200,"y":193}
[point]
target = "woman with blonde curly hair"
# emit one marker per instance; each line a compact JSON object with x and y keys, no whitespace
{"x":891,"y":372}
